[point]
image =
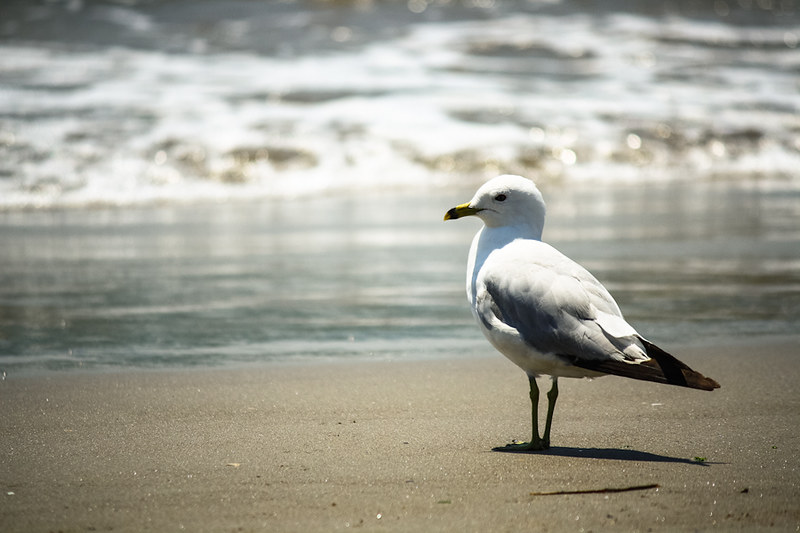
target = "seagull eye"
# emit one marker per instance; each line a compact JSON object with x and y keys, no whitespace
{"x":500,"y":197}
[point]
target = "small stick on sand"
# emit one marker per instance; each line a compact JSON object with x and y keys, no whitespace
{"x":596,"y":491}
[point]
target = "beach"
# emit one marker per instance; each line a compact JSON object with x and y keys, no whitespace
{"x":403,"y":445}
{"x":311,"y":365}
{"x":229,"y":302}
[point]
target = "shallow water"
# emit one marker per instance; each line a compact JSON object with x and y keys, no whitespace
{"x":376,"y":276}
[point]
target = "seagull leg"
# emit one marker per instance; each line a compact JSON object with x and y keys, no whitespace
{"x":534,"y":410}
{"x":552,"y":396}
{"x":536,"y":444}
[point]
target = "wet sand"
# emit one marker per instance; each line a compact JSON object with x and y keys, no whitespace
{"x":401,"y":446}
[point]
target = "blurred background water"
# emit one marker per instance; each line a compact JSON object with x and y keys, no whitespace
{"x":212,"y":182}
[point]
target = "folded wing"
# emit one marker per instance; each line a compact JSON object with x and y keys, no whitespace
{"x":557,"y":307}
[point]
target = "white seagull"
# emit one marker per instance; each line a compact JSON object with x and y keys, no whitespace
{"x":545,"y":312}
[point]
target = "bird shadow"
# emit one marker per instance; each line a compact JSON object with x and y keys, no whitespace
{"x":613,"y":454}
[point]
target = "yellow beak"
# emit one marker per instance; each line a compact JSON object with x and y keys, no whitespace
{"x":463,"y":210}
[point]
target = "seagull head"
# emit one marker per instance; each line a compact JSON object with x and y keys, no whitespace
{"x":505,"y":201}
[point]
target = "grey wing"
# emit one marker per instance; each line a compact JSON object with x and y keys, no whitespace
{"x":557,"y":307}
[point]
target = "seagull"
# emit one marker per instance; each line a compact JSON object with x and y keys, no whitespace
{"x":545,"y":312}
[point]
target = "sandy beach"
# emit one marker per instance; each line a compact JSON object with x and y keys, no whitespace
{"x":400,"y":445}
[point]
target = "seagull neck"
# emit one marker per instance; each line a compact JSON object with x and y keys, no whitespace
{"x":499,"y":236}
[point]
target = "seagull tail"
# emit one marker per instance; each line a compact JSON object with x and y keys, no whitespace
{"x":660,"y":368}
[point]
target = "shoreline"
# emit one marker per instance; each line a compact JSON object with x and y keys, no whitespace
{"x":478,"y":348}
{"x":400,"y":445}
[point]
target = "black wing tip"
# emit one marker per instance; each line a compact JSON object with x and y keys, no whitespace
{"x":698,"y":381}
{"x":677,"y":372}
{"x":660,"y":368}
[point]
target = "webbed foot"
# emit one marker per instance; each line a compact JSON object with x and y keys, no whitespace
{"x":536,"y":445}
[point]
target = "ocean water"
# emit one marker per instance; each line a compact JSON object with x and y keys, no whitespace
{"x":231,"y":182}
{"x":375,"y":276}
{"x":134,"y":101}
